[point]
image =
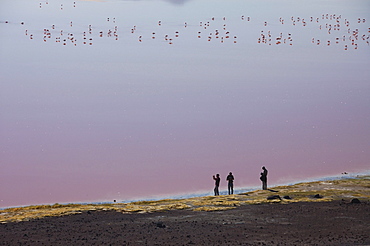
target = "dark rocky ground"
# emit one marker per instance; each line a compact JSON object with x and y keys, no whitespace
{"x":315,"y":223}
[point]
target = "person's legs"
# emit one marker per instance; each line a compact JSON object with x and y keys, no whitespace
{"x":216,"y":191}
{"x":264,"y":185}
{"x":230,"y":187}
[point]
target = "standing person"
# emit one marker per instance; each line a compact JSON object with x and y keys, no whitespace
{"x":230,"y":184}
{"x":263,"y":178}
{"x":217,"y":184}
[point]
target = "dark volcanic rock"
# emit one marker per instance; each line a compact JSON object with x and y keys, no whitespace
{"x":274,"y":197}
{"x":355,"y":200}
{"x":161,"y":225}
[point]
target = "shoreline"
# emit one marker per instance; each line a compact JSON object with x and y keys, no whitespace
{"x":199,"y":194}
{"x":245,"y":189}
{"x":316,"y":191}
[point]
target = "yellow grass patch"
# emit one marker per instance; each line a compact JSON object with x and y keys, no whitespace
{"x":212,"y":208}
{"x":217,"y":201}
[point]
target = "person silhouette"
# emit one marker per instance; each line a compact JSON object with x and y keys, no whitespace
{"x":217,"y":184}
{"x":263,"y":178}
{"x":230,"y":184}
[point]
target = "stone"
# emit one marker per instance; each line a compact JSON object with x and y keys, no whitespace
{"x":355,"y":200}
{"x":161,"y":225}
{"x":274,"y":197}
{"x":317,"y":196}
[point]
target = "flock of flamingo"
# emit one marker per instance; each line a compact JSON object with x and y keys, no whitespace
{"x":338,"y":30}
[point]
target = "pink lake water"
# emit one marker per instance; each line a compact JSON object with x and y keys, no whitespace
{"x":173,"y":92}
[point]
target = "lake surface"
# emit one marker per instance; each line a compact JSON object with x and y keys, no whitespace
{"x":103,"y":100}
